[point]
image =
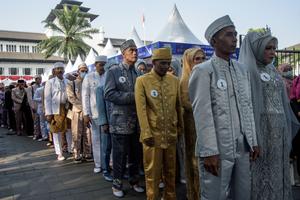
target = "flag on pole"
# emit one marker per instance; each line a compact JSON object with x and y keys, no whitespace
{"x":143,"y":24}
{"x":143,"y":20}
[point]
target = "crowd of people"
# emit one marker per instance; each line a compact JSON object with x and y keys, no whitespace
{"x":225,"y":128}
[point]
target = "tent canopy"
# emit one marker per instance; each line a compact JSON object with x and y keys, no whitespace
{"x":176,"y":30}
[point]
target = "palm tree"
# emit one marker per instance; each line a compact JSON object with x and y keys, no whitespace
{"x":72,"y":28}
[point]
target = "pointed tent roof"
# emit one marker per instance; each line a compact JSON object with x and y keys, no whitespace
{"x":176,"y":30}
{"x":77,"y":62}
{"x":109,"y":50}
{"x":136,"y":38}
{"x":90,"y":59}
{"x":68,"y":67}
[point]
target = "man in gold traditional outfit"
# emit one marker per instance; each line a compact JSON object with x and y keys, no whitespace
{"x":159,"y":113}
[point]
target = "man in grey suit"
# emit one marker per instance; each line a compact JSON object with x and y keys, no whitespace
{"x":220,"y":94}
{"x":119,"y":90}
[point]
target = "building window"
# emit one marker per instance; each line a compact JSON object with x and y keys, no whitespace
{"x":15,"y":48}
{"x":34,"y":49}
{"x":24,"y":49}
{"x":1,"y":47}
{"x":39,"y":71}
{"x":1,"y":70}
{"x":13,"y":71}
{"x":27,"y":71}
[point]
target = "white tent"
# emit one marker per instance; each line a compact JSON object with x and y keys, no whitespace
{"x":6,"y":82}
{"x":136,"y":38}
{"x":177,"y":31}
{"x":78,"y":61}
{"x":90,"y":59}
{"x":68,"y":67}
{"x":109,"y":49}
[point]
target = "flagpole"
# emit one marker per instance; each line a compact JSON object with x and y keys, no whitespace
{"x":144,"y":28}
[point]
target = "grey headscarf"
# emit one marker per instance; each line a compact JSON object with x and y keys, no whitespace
{"x":252,"y":55}
{"x":137,"y":63}
{"x":176,"y":65}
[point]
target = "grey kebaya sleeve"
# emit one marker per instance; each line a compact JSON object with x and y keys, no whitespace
{"x":200,"y":96}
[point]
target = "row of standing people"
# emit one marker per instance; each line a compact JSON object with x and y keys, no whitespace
{"x":236,"y":118}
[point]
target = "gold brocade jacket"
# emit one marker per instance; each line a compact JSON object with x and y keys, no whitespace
{"x":159,"y":108}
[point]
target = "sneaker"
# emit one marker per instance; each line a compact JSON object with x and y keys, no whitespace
{"x":138,"y":188}
{"x":183,"y":181}
{"x":60,"y":158}
{"x":107,"y":177}
{"x":77,"y":160}
{"x":89,"y":159}
{"x":117,"y":193}
{"x":97,"y":170}
{"x":126,"y":176}
{"x":49,"y":144}
{"x":161,"y":185}
{"x":141,"y":172}
{"x":2,"y":126}
{"x":40,"y":140}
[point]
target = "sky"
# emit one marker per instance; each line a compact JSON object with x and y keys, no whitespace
{"x":118,"y":17}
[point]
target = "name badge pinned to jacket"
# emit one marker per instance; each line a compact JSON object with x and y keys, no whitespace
{"x":265,"y":77}
{"x":122,"y":79}
{"x":221,"y":84}
{"x":154,"y":93}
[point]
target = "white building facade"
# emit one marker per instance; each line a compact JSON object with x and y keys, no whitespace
{"x":19,"y":57}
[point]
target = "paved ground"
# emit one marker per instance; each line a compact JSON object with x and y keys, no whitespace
{"x":29,"y":171}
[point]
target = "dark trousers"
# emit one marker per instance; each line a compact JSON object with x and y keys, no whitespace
{"x":28,"y":120}
{"x":11,"y":119}
{"x":4,"y":117}
{"x":106,"y":146}
{"x":125,"y":148}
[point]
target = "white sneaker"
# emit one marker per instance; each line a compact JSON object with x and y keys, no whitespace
{"x":161,"y":185}
{"x":138,"y":188}
{"x":60,"y":158}
{"x":118,"y":193}
{"x":183,"y":181}
{"x":97,"y":170}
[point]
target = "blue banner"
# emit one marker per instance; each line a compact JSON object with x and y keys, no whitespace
{"x":177,"y":49}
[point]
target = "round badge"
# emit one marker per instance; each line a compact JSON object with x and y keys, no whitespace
{"x":265,"y":77}
{"x":122,"y":79}
{"x":154,"y":93}
{"x":222,"y":85}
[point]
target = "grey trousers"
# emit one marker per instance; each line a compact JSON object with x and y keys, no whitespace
{"x":233,"y":181}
